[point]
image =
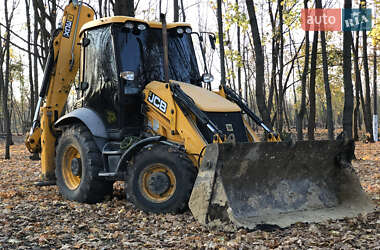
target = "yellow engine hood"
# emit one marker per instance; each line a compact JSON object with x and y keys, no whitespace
{"x":205,"y":100}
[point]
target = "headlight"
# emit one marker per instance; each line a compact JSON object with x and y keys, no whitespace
{"x":129,"y":25}
{"x":207,"y":78}
{"x":180,"y":31}
{"x":128,"y":75}
{"x":188,"y":30}
{"x":141,"y":26}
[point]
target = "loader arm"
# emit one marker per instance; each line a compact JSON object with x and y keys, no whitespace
{"x":60,"y":71}
{"x":231,"y":95}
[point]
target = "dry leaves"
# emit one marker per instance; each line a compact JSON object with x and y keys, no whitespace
{"x":38,"y":217}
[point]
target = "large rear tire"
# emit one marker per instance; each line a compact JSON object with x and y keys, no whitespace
{"x":78,"y":162}
{"x":161,"y":180}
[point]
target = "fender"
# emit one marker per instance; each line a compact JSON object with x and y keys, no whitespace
{"x":88,"y":117}
{"x":92,"y":121}
{"x":127,"y":155}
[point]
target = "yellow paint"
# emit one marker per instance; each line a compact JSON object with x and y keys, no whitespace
{"x":158,"y":168}
{"x":72,"y":181}
{"x":123,"y":19}
{"x":173,"y":124}
{"x":208,"y":101}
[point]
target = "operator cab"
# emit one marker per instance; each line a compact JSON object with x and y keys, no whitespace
{"x":120,"y":55}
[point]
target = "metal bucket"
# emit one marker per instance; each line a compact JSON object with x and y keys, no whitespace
{"x":277,"y":183}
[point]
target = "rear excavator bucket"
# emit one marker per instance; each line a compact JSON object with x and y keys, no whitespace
{"x":280,"y":184}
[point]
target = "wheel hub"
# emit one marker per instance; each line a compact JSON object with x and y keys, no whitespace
{"x":158,"y":183}
{"x":76,"y":167}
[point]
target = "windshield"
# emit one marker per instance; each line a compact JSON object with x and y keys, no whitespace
{"x":142,"y":53}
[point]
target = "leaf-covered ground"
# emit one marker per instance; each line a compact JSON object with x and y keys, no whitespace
{"x":38,"y":217}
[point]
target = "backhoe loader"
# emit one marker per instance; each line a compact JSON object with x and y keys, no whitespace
{"x":141,"y":115}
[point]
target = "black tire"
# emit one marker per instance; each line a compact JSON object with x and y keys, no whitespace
{"x":161,"y":160}
{"x":82,"y":184}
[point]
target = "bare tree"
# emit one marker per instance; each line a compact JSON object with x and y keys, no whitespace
{"x":221,"y":42}
{"x":329,"y":115}
{"x":281,"y":92}
{"x":358,"y":86}
{"x":375,"y":88}
{"x":30,"y":62}
{"x":176,"y":11}
{"x":259,"y":61}
{"x":5,"y":79}
{"x":348,"y":91}
{"x":124,"y":8}
{"x":239,"y":50}
{"x":313,"y":74}
{"x":301,"y":113}
{"x":183,"y":12}
{"x":367,"y":103}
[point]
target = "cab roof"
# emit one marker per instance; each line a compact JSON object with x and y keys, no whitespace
{"x":123,"y":19}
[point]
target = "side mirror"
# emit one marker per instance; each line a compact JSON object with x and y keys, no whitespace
{"x":212,"y":40}
{"x":85,"y":42}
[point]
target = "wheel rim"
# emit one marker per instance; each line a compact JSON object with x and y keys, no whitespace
{"x":158,"y":182}
{"x":71,"y":177}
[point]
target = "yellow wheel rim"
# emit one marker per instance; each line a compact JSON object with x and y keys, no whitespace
{"x":146,"y":182}
{"x":72,"y":181}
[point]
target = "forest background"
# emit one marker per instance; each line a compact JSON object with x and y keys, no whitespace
{"x":295,"y":80}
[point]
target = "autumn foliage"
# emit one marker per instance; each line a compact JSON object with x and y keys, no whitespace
{"x":38,"y":217}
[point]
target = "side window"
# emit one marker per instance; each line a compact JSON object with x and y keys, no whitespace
{"x":101,"y":75}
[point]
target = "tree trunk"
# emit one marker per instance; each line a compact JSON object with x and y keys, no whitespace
{"x":329,"y":114}
{"x":313,"y":74}
{"x":275,"y":48}
{"x":30,"y":62}
{"x":7,"y":119}
{"x":347,"y":80}
{"x":176,"y":11}
{"x":221,"y":43}
{"x":239,"y":52}
{"x":259,"y":61}
{"x":124,"y":8}
{"x":280,"y":107}
{"x":367,"y":103}
{"x":358,"y":86}
{"x":375,"y":93}
{"x":35,"y":58}
{"x":100,"y":8}
{"x":183,"y":12}
{"x":301,"y":113}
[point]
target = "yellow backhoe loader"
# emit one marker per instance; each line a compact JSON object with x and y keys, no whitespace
{"x":140,"y":115}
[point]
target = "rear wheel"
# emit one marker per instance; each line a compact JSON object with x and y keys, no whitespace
{"x":78,"y":162}
{"x":161,"y":180}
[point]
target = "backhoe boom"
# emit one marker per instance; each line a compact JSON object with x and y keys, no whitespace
{"x":59,"y":73}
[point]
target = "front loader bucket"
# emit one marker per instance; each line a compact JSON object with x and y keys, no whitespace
{"x":277,"y":183}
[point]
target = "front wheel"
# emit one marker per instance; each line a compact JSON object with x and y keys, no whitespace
{"x":78,"y":162}
{"x":161,"y":180}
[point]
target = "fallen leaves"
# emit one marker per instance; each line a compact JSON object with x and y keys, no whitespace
{"x":38,"y":217}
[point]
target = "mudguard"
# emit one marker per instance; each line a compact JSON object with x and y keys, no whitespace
{"x":88,"y":117}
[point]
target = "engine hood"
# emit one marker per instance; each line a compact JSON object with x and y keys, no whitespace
{"x":205,"y":100}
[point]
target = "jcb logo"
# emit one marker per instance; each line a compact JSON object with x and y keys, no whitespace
{"x":157,"y":102}
{"x":68,"y":26}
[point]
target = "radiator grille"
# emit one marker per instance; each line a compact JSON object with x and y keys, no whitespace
{"x":225,"y":122}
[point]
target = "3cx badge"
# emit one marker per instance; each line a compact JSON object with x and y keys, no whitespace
{"x":68,"y":26}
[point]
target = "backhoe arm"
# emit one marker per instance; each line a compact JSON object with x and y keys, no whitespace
{"x":59,"y":73}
